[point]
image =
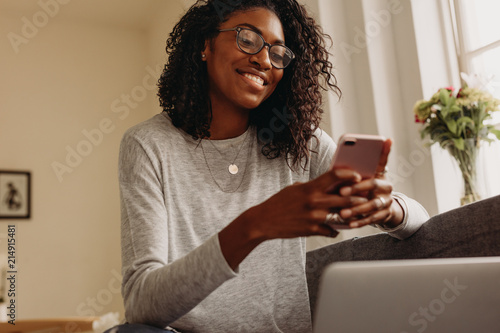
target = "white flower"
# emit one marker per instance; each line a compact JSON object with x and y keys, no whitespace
{"x":479,"y":82}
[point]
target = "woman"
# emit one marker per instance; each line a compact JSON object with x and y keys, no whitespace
{"x":219,"y":191}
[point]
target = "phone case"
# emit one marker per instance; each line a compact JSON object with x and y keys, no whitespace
{"x":359,"y":152}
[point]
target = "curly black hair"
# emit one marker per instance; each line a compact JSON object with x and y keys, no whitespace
{"x":183,"y":85}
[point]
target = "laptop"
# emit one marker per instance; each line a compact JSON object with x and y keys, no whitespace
{"x":406,"y":296}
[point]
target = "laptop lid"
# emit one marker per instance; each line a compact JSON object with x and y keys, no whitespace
{"x":403,"y":296}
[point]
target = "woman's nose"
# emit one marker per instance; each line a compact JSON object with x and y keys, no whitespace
{"x":262,"y":58}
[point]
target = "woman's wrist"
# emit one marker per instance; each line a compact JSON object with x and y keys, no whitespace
{"x":238,"y":239}
{"x":399,"y":215}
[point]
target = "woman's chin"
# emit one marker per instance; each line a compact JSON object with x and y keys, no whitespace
{"x":251,"y":103}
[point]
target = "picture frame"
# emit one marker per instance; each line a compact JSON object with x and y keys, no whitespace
{"x":15,"y":194}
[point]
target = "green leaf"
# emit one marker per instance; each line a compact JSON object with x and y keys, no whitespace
{"x":463,"y":123}
{"x":459,"y":143}
{"x":452,"y":125}
{"x":465,"y":120}
{"x":444,"y":96}
{"x":444,"y":112}
{"x":496,"y":132}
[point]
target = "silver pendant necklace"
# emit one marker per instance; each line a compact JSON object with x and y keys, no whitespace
{"x":232,"y":168}
{"x":232,"y":165}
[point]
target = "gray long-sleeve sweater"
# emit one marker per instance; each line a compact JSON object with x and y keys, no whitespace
{"x":176,"y":195}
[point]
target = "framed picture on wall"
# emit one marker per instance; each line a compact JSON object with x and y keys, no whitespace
{"x":15,"y":195}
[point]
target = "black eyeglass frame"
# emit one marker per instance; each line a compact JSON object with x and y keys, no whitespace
{"x":264,"y":43}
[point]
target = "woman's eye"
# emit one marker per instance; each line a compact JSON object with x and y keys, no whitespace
{"x":247,"y":42}
{"x":277,"y":57}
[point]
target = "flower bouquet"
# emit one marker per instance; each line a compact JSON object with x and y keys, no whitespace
{"x":459,"y":122}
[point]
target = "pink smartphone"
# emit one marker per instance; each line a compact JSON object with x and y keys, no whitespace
{"x":358,"y":152}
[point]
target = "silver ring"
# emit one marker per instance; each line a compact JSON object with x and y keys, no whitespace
{"x":381,"y":174}
{"x":383,"y":202}
{"x":333,"y":218}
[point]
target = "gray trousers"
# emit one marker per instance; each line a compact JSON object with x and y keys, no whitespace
{"x":468,"y":231}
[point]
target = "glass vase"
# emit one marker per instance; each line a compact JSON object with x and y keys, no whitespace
{"x":467,"y":163}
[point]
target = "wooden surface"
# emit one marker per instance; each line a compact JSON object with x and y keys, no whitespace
{"x":50,"y":325}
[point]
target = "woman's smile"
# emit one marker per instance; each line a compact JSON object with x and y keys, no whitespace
{"x":254,"y":78}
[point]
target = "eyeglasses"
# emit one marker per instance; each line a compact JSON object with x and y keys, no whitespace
{"x":251,"y":42}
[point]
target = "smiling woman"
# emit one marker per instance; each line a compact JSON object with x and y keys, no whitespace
{"x":214,"y":214}
{"x":188,"y":108}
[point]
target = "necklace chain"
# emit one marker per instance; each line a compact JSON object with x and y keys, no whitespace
{"x":233,"y":168}
{"x":244,"y":172}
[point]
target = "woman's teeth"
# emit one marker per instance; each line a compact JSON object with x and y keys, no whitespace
{"x":254,"y":78}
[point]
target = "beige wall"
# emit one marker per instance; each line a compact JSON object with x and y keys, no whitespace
{"x":74,"y":84}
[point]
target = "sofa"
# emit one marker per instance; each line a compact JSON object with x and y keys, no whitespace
{"x":469,"y":231}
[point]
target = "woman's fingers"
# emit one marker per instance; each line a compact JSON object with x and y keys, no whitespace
{"x":379,"y":217}
{"x":360,"y":203}
{"x":376,"y":210}
{"x":333,"y":177}
{"x":333,"y":201}
{"x":372,"y":185}
{"x":383,"y":159}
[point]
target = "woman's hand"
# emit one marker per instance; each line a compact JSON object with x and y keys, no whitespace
{"x":298,"y":210}
{"x":380,"y":208}
{"x":302,"y":208}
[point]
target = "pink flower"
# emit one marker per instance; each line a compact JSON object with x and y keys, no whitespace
{"x":451,"y":90}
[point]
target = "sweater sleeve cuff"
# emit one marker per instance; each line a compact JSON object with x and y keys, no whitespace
{"x":220,"y":260}
{"x":414,"y":216}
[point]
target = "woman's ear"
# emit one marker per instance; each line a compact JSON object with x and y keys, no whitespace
{"x":205,"y":50}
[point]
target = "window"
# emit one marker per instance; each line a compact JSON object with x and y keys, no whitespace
{"x":477,"y":39}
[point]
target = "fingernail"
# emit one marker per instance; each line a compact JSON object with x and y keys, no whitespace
{"x":346,"y":213}
{"x":354,"y":224}
{"x":359,"y":200}
{"x":346,"y":191}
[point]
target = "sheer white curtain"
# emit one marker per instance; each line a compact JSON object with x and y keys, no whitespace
{"x":387,"y":55}
{"x":477,"y":38}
